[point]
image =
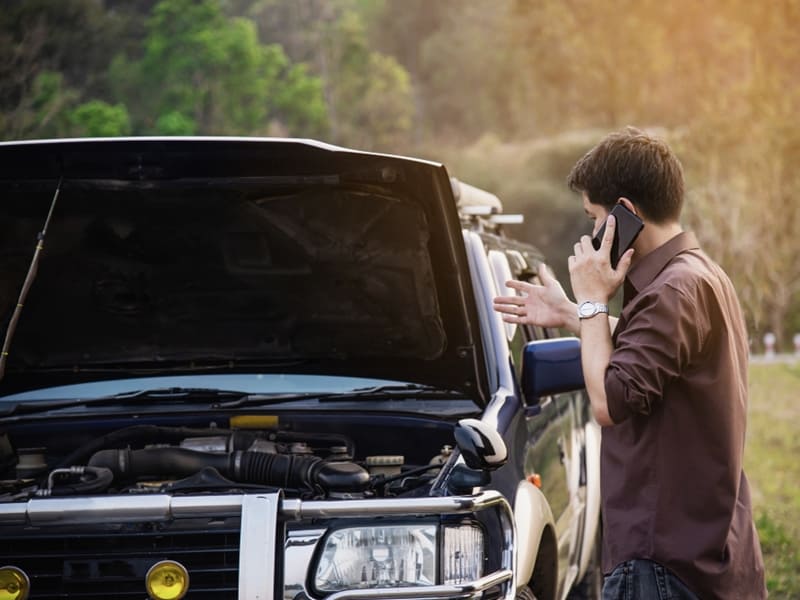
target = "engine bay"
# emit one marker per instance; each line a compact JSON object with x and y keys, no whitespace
{"x":335,"y":457}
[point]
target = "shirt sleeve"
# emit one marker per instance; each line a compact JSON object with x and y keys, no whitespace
{"x":665,"y":332}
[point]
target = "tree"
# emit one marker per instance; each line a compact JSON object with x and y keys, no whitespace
{"x":175,"y":123}
{"x":213,"y":71}
{"x":42,"y":110}
{"x":53,"y":52}
{"x":742,"y":147}
{"x":457,"y":56}
{"x":99,"y":119}
{"x":368,"y":94}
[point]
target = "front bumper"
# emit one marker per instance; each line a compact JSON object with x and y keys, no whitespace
{"x":262,"y":520}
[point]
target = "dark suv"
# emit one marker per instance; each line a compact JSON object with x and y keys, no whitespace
{"x":254,"y":369}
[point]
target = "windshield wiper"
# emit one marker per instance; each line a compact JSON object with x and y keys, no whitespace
{"x":416,"y":390}
{"x":224,"y":399}
{"x":169,"y":393}
{"x":173,"y":394}
{"x":379,"y":392}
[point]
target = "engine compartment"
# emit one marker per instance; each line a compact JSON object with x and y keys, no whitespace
{"x":305,"y":456}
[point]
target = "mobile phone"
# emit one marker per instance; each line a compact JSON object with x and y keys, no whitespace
{"x":628,"y":227}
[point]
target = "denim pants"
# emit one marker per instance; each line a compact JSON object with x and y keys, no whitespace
{"x":644,"y":580}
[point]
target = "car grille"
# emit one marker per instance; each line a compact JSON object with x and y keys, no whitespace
{"x":113,"y":563}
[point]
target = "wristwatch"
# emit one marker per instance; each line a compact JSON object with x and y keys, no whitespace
{"x":589,"y":309}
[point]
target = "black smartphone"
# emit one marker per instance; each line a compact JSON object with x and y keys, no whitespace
{"x":628,"y":227}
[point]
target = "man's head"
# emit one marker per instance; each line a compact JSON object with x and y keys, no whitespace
{"x":634,"y":165}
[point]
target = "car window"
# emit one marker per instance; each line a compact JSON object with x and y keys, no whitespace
{"x":501,"y":271}
{"x":516,"y":335}
{"x":255,"y":383}
{"x":521,"y":270}
{"x":534,"y":332}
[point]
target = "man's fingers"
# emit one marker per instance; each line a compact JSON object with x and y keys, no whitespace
{"x":520,"y":286}
{"x":608,"y":235}
{"x":512,"y":319}
{"x":509,"y":305}
{"x":510,"y":310}
{"x":545,"y":274}
{"x":625,"y":262}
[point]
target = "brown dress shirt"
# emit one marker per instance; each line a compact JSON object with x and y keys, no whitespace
{"x":673,"y":488}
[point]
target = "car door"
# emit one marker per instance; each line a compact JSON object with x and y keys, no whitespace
{"x":551,"y":451}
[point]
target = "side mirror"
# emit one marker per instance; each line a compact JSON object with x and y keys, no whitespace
{"x":481,"y":446}
{"x":551,"y":367}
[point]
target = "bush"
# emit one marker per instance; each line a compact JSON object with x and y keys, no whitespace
{"x":99,"y":119}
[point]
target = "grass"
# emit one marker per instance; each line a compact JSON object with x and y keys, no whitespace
{"x":772,"y":464}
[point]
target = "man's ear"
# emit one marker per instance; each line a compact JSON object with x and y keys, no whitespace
{"x":629,"y":205}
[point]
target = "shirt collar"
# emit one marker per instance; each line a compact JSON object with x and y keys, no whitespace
{"x":646,"y":269}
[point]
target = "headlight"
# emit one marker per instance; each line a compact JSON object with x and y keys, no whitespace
{"x":462,"y":556}
{"x":387,"y":556}
{"x":398,"y":556}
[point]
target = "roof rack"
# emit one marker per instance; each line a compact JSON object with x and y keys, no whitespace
{"x":480,"y":209}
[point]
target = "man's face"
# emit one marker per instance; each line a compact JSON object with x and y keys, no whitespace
{"x":596,"y":213}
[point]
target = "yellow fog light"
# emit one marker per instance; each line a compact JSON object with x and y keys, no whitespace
{"x":14,"y":584}
{"x":167,"y":580}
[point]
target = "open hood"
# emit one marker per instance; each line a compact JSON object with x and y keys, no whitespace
{"x":180,"y":256}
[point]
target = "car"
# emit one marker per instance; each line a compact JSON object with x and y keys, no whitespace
{"x":269,"y":368}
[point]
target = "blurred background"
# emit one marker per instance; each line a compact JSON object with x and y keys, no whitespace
{"x":508,"y":94}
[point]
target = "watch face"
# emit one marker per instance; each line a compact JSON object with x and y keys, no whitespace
{"x":587,"y":309}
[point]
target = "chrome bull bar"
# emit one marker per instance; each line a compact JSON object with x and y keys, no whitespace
{"x":469,"y":590}
{"x":260,"y":512}
{"x":300,"y":547}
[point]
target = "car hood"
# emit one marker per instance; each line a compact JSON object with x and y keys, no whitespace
{"x":229,"y":255}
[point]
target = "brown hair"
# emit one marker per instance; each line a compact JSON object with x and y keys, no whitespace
{"x":634,"y":165}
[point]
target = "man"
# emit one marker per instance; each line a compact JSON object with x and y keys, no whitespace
{"x":667,"y":381}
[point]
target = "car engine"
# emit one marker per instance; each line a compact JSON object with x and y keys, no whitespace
{"x":144,"y":459}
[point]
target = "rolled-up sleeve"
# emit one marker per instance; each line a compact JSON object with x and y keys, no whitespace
{"x":655,"y":344}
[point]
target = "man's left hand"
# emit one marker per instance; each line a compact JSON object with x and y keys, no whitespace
{"x":590,"y":270}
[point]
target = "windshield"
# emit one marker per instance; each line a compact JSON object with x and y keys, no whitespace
{"x":247,"y":384}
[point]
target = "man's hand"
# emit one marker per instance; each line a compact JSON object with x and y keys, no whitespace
{"x":543,"y":305}
{"x":593,"y":279}
{"x":590,"y":270}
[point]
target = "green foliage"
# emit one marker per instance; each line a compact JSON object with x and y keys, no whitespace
{"x":386,"y":101}
{"x":443,"y":78}
{"x":41,"y":111}
{"x":374,"y":110}
{"x":782,"y":557}
{"x":52,"y":52}
{"x":299,"y":102}
{"x":193,"y":62}
{"x":73,"y":38}
{"x":99,"y":119}
{"x":213,"y":71}
{"x":771,"y":464}
{"x":456,"y":65}
{"x":175,"y":123}
{"x":369,"y":93}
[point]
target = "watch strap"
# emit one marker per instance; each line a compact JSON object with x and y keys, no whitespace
{"x":588,"y":309}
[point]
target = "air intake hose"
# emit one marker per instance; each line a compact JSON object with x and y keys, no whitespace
{"x":277,"y":470}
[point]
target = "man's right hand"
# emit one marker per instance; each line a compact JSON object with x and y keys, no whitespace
{"x":544,"y":305}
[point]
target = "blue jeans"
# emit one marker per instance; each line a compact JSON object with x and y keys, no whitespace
{"x":644,"y":580}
